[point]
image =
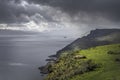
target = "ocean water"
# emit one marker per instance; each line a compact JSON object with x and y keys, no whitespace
{"x":21,"y":53}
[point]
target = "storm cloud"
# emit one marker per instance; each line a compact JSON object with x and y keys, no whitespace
{"x":106,"y":8}
{"x":59,"y":14}
{"x":17,"y":11}
{"x":10,"y":11}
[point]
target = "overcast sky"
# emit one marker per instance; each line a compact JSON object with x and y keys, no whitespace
{"x":74,"y":16}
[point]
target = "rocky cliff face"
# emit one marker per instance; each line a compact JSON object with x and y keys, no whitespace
{"x":95,"y":38}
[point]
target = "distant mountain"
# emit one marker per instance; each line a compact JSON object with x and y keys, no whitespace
{"x":95,"y":38}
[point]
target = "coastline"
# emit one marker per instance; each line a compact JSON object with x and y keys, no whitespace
{"x":89,"y":41}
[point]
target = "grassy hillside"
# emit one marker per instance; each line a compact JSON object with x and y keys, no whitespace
{"x":97,"y":37}
{"x":99,"y":63}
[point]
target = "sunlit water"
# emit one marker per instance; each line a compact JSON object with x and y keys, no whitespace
{"x":22,"y":53}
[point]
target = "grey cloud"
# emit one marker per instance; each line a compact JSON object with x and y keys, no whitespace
{"x":10,"y":11}
{"x":61,"y":12}
{"x":14,"y":11}
{"x":109,"y":9}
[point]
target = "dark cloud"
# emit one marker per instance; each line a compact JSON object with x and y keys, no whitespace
{"x":18,"y":11}
{"x":14,"y":11}
{"x":11,"y":12}
{"x":63,"y":12}
{"x":107,"y":8}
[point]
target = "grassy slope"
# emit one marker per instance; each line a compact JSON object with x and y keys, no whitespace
{"x":109,"y":69}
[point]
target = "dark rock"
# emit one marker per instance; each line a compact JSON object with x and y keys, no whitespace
{"x":46,"y":69}
{"x":43,"y":70}
{"x":52,"y":56}
{"x":50,"y":60}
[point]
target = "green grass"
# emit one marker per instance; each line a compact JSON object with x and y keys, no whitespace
{"x":103,"y":66}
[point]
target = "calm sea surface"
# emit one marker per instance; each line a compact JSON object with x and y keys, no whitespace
{"x":22,"y":53}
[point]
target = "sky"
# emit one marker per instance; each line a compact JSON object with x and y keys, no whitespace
{"x":70,"y":17}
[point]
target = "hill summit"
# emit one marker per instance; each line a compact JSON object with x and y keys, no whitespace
{"x":96,"y":37}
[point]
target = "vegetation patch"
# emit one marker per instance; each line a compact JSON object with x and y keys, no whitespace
{"x":117,"y":59}
{"x":97,"y":63}
{"x":113,"y":52}
{"x":66,"y":69}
